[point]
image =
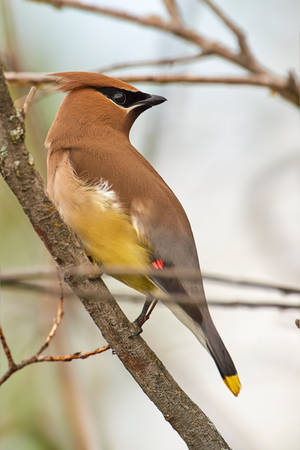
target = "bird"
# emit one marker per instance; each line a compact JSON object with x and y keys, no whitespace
{"x":118,"y":205}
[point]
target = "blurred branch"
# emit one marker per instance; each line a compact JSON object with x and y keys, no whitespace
{"x":287,"y":87}
{"x":173,"y":10}
{"x":242,"y":282}
{"x":153,"y":62}
{"x":15,"y":278}
{"x":8,"y":354}
{"x":26,"y":281}
{"x":36,"y":358}
{"x":276,"y":84}
{"x":28,"y":100}
{"x":34,"y":287}
{"x":22,"y":78}
{"x":57,"y":322}
{"x":245,"y":51}
{"x":178,"y":409}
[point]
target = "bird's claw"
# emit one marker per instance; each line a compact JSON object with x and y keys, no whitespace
{"x":137,"y":323}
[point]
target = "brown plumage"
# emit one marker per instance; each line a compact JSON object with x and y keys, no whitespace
{"x":117,"y":203}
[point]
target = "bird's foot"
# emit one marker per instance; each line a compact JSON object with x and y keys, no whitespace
{"x":139,"y":329}
{"x":143,"y":317}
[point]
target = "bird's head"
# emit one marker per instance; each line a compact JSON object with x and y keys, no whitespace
{"x":96,"y":100}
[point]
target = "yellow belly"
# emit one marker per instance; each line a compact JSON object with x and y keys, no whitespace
{"x":109,"y":238}
{"x":94,"y":213}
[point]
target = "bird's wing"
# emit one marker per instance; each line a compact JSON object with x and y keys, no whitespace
{"x":155,"y":212}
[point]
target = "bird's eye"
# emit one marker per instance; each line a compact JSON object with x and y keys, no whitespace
{"x":119,"y":98}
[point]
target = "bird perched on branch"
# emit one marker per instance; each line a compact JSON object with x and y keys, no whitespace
{"x":119,"y":206}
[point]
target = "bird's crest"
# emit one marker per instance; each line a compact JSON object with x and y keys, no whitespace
{"x":69,"y":81}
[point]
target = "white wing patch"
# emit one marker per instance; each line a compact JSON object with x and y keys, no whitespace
{"x":139,"y":213}
{"x":107,"y":196}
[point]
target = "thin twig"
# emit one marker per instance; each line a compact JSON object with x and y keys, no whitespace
{"x":241,"y":37}
{"x":76,"y":355}
{"x":157,"y":22}
{"x":170,"y":299}
{"x":28,"y":100}
{"x":275,"y":83}
{"x":36,"y":358}
{"x":253,"y":304}
{"x":57,"y":321}
{"x":261,"y":80}
{"x":173,"y":10}
{"x":216,"y":302}
{"x":151,"y":21}
{"x":23,"y":78}
{"x":243,"y":58}
{"x":17,"y":278}
{"x":153,"y":62}
{"x":243,"y":282}
{"x":11,"y":362}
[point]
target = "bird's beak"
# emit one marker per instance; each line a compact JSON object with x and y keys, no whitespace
{"x":152,"y":100}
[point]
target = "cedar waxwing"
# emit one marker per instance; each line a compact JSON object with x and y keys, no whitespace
{"x":119,"y":206}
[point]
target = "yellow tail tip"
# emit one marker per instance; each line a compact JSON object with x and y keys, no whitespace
{"x":233,"y":383}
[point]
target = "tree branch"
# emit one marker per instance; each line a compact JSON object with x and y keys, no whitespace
{"x":245,"y":51}
{"x":276,"y":84}
{"x":34,"y":287}
{"x":16,"y":277}
{"x":153,"y":62}
{"x":244,"y":58}
{"x":18,"y":171}
{"x":173,"y":10}
{"x":14,"y":367}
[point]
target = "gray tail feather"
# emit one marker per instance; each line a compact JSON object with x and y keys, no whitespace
{"x":197,"y":318}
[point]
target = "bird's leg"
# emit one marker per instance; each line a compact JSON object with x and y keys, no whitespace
{"x":148,"y":307}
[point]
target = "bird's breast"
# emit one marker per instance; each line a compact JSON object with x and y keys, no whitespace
{"x":96,"y":215}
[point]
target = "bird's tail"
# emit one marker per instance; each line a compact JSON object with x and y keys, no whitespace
{"x":219,"y":353}
{"x":201,"y":325}
{"x":197,"y":318}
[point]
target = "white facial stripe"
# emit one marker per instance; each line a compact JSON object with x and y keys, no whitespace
{"x":128,"y":109}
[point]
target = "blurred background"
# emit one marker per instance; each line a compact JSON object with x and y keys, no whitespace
{"x":232,"y":156}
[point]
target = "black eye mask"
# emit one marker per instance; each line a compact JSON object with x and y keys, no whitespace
{"x":122,"y":97}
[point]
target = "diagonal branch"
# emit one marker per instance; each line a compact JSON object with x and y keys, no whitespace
{"x":153,"y":62}
{"x":18,"y":171}
{"x":173,"y":10}
{"x":287,"y":87}
{"x":158,"y":23}
{"x":57,"y":322}
{"x":239,"y":33}
{"x":11,"y":363}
